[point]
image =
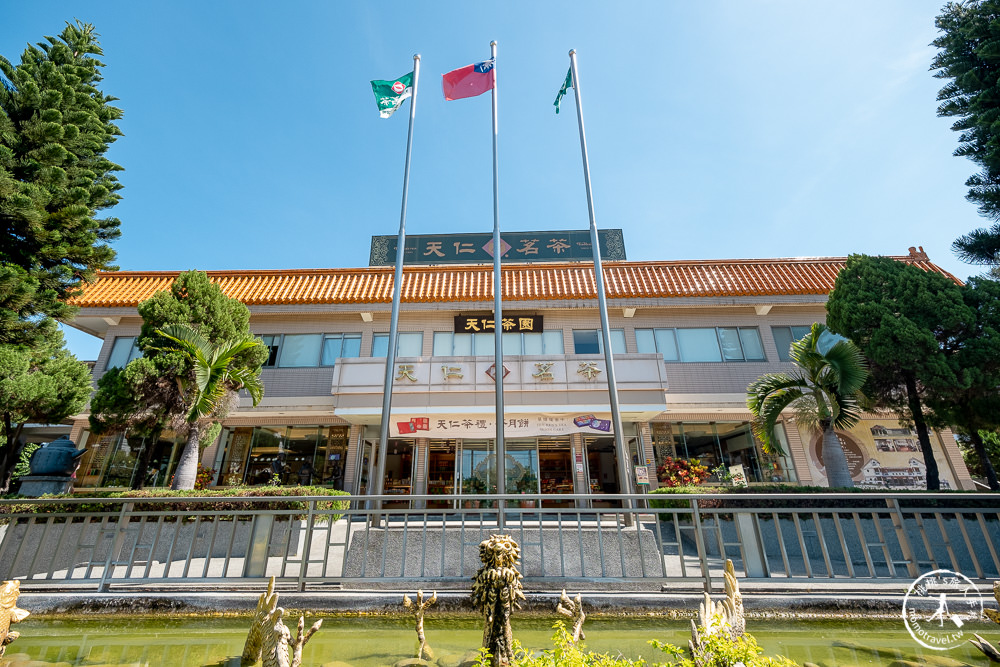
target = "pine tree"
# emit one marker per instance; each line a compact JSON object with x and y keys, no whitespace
{"x":55,"y":128}
{"x":42,"y":383}
{"x":899,"y":315}
{"x":973,"y":403}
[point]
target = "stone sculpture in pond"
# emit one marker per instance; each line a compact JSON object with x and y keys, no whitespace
{"x":269,"y":640}
{"x":496,"y":592}
{"x":990,"y":651}
{"x":9,"y":613}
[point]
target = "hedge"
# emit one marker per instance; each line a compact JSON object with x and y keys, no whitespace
{"x":226,"y":505}
{"x":725,"y":498}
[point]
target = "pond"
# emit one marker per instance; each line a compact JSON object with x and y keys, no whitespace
{"x":379,"y":641}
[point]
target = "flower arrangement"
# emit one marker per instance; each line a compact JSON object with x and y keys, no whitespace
{"x":681,"y":472}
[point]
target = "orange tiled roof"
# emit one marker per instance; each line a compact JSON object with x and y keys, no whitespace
{"x":521,"y":282}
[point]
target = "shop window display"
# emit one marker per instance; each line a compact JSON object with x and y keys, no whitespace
{"x":112,"y":461}
{"x":714,"y":446}
{"x":286,"y":456}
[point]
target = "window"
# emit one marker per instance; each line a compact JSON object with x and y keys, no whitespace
{"x":123,"y":351}
{"x":340,"y":346}
{"x":309,"y":350}
{"x":271,"y":342}
{"x":783,"y":337}
{"x":702,"y":345}
{"x":299,"y":350}
{"x":698,"y":345}
{"x":409,"y":344}
{"x":663,"y":341}
{"x":718,"y":443}
{"x":588,"y":341}
{"x":548,"y":342}
{"x":447,"y":344}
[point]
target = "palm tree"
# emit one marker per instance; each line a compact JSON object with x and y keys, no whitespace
{"x":825,"y":393}
{"x":208,"y":388}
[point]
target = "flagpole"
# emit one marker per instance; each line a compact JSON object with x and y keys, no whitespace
{"x":616,"y":417}
{"x":397,"y":288}
{"x":497,"y":306}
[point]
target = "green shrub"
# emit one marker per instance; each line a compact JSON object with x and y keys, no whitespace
{"x":736,"y":497}
{"x":228,"y":501}
{"x":717,"y":651}
{"x":23,"y":463}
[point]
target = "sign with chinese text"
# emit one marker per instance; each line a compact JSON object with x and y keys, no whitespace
{"x":511,"y":324}
{"x":641,"y":475}
{"x":484,"y":426}
{"x":558,"y":246}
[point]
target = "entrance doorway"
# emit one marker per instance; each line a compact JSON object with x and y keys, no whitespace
{"x":521,"y":470}
{"x":478,"y":471}
{"x":398,"y":471}
{"x":555,"y":463}
{"x":441,"y":455}
{"x":602,"y":470}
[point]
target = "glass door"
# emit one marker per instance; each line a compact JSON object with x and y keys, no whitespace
{"x":521,"y":469}
{"x":555,"y":462}
{"x":367,"y":454}
{"x":331,"y":458}
{"x":398,"y":471}
{"x":441,"y":471}
{"x":478,"y":471}
{"x":602,"y":467}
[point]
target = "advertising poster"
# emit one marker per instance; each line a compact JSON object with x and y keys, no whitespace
{"x":641,"y":475}
{"x":881,"y":454}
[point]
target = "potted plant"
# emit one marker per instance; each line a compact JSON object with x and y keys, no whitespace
{"x":528,"y":483}
{"x":682,"y":472}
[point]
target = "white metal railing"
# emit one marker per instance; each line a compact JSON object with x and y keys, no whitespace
{"x":661,"y":539}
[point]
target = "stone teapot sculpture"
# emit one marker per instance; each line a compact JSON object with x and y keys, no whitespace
{"x":56,"y":459}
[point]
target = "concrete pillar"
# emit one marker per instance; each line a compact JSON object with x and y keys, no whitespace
{"x":352,"y":475}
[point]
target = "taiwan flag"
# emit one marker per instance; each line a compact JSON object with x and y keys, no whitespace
{"x":468,"y":81}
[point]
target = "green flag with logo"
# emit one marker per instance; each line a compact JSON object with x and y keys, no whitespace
{"x":390,"y":94}
{"x":568,"y":83}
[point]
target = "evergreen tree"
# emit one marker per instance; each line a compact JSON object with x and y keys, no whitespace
{"x":972,"y":404}
{"x":991,"y":445}
{"x":42,"y":383}
{"x":968,"y":57}
{"x":55,"y":128}
{"x":896,"y":313}
{"x":146,"y":397}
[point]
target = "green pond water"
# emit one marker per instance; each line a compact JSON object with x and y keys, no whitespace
{"x":378,"y":641}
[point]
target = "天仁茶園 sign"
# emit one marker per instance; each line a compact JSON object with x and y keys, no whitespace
{"x":510,"y":324}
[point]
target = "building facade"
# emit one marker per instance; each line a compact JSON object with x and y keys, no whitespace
{"x":687,"y":337}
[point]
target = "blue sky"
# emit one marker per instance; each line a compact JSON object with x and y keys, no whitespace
{"x":766,"y":128}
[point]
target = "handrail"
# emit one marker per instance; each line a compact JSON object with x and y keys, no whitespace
{"x":953,"y":495}
{"x":187,"y":540}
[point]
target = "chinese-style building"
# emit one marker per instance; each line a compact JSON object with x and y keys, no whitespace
{"x":687,"y":337}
